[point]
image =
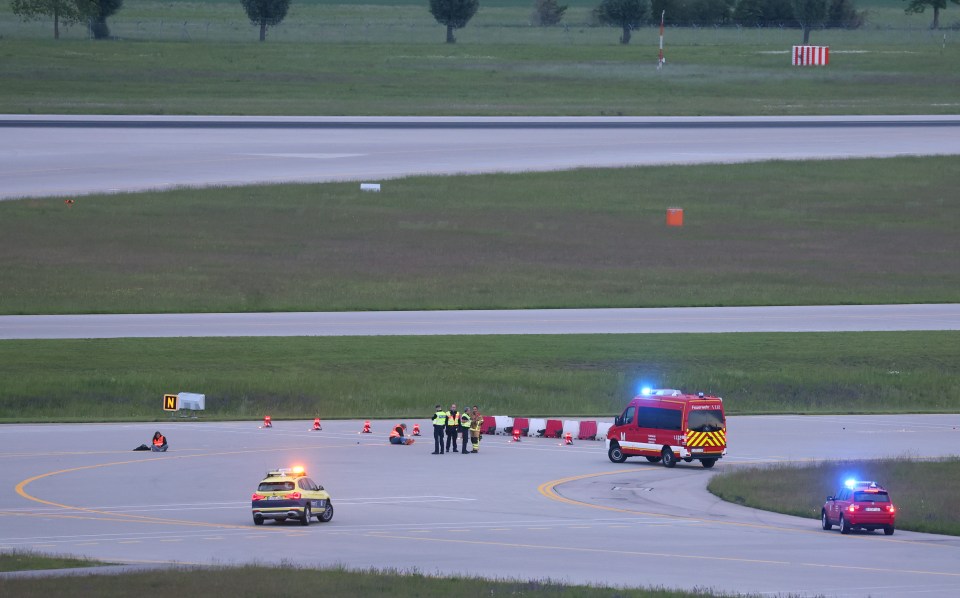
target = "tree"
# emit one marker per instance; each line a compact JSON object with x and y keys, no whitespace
{"x":62,"y":11}
{"x":919,"y":6}
{"x":455,"y":14}
{"x":265,"y":13}
{"x":98,"y":11}
{"x":809,"y":13}
{"x":626,"y":14}
{"x":547,"y":12}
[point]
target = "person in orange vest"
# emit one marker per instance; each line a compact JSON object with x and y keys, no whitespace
{"x":397,"y":437}
{"x":159,"y":443}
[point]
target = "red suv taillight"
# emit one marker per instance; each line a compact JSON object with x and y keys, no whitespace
{"x":257,"y":496}
{"x":891,"y":509}
{"x":852,"y":508}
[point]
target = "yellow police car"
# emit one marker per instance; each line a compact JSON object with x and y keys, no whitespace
{"x":290,"y":494}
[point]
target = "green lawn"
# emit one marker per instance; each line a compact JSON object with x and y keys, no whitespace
{"x":924,"y":492}
{"x":780,"y":233}
{"x":24,"y":560}
{"x":379,"y":377}
{"x":359,"y":59}
{"x":254,"y":581}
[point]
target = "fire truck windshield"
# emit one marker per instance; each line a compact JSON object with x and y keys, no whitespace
{"x":705,"y":421}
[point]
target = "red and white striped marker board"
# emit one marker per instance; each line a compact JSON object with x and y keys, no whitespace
{"x":811,"y":55}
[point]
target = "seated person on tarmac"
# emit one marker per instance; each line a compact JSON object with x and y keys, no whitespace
{"x":159,"y":443}
{"x":397,"y":437}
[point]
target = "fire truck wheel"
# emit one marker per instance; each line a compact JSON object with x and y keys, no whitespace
{"x":653,"y":459}
{"x":708,"y":463}
{"x":844,"y":526}
{"x":825,"y":521}
{"x":669,"y":459}
{"x":615,"y":454}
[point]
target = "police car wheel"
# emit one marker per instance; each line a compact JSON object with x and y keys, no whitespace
{"x":258,"y":519}
{"x":654,"y":459}
{"x":305,"y":518}
{"x":825,"y":521}
{"x":616,"y":454}
{"x":669,"y":459}
{"x":708,"y":463}
{"x":327,"y":513}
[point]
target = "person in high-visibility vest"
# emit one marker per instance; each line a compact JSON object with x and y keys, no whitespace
{"x":453,"y":427}
{"x":475,"y":423}
{"x":159,"y":443}
{"x":465,"y":429}
{"x":439,"y":425}
{"x":397,"y":437}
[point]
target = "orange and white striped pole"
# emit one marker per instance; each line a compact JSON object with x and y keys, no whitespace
{"x":660,"y":59}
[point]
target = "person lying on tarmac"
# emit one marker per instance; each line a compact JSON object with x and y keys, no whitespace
{"x":397,"y":437}
{"x":159,"y":443}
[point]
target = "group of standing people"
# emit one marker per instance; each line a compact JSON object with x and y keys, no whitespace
{"x":454,"y":424}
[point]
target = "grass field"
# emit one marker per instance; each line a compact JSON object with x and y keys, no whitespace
{"x":924,"y":492}
{"x":378,"y":377}
{"x":262,"y":581}
{"x":359,"y":59}
{"x":857,"y":231}
{"x":25,"y":560}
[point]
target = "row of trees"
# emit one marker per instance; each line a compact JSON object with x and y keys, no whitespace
{"x":68,"y":12}
{"x":455,"y":14}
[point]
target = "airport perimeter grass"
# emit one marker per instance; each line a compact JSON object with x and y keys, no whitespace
{"x":28,"y":560}
{"x":349,"y":58}
{"x":776,"y":233}
{"x":294,"y":581}
{"x":403,"y":377}
{"x":924,"y":492}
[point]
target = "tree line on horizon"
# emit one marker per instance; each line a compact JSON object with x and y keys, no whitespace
{"x":628,"y":15}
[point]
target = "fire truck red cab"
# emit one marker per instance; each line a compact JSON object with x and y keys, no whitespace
{"x":665,"y":425}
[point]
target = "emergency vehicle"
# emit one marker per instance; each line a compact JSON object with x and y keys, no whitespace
{"x":289,"y":494}
{"x":665,"y":425}
{"x":859,"y":505}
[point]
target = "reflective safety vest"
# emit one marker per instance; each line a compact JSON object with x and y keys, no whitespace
{"x":451,"y":418}
{"x":394,"y":433}
{"x":465,"y":420}
{"x":159,"y":441}
{"x":477,"y":422}
{"x":440,"y":418}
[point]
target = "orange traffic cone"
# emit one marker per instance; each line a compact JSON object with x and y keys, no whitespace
{"x":366,"y":427}
{"x":316,"y":424}
{"x":516,"y":434}
{"x":416,"y":429}
{"x":568,"y":438}
{"x":267,"y":422}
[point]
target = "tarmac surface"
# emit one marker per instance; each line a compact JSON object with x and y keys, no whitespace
{"x":811,"y":318}
{"x":75,"y":155}
{"x":532,"y":510}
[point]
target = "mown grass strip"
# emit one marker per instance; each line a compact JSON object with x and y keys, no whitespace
{"x":28,"y":560}
{"x":338,"y":377}
{"x":778,"y":233}
{"x":924,"y":492}
{"x":514,"y":70}
{"x":295,"y":581}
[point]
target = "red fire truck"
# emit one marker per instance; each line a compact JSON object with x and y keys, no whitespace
{"x":665,"y":425}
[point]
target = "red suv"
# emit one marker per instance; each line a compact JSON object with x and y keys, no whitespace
{"x":859,"y":505}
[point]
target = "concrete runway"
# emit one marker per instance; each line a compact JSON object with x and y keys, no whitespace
{"x":533,"y":509}
{"x":63,"y":155}
{"x":825,"y":318}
